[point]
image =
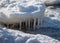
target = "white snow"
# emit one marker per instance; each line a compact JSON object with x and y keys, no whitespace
{"x":33,"y":40}
{"x":52,"y":18}
{"x":20,"y":9}
{"x":14,"y":36}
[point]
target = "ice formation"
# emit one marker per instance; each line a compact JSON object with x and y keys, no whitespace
{"x":17,"y":11}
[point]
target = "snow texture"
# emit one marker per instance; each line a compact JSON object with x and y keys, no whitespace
{"x":51,"y":2}
{"x":7,"y":7}
{"x":18,"y":9}
{"x":14,"y":36}
{"x":52,"y":18}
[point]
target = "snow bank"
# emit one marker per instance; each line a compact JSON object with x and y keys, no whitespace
{"x":19,"y":10}
{"x":14,"y":36}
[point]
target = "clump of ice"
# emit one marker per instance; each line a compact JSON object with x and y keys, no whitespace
{"x":14,"y":9}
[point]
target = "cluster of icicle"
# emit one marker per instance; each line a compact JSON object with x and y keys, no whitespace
{"x":20,"y":11}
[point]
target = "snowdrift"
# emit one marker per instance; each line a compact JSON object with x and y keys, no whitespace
{"x":14,"y":36}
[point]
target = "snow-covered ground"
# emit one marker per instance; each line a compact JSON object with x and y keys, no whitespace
{"x":14,"y":36}
{"x":52,"y":18}
{"x":42,"y":35}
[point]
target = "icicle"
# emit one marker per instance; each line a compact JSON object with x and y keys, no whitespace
{"x":20,"y":25}
{"x":34,"y":23}
{"x":38,"y":22}
{"x":29,"y":24}
{"x":26,"y":24}
{"x":41,"y":22}
{"x":7,"y":25}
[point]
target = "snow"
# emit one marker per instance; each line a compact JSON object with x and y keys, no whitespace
{"x":14,"y":36}
{"x":51,"y":2}
{"x":20,"y":9}
{"x":52,"y":18}
{"x":13,"y":8}
{"x":33,"y":40}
